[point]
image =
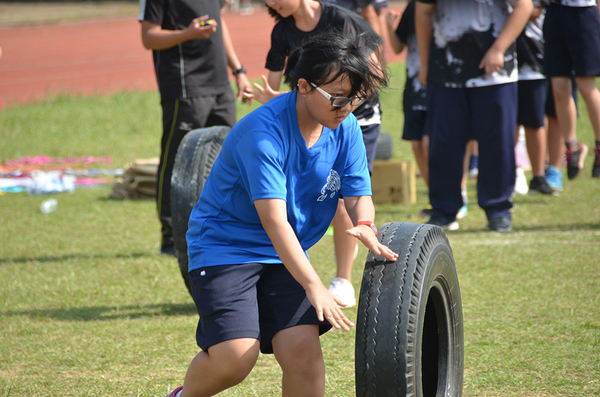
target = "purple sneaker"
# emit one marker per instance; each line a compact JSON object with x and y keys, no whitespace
{"x":174,"y":392}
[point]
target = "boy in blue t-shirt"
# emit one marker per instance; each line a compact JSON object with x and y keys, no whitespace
{"x":271,"y":195}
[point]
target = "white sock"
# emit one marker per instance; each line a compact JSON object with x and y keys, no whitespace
{"x":179,"y":393}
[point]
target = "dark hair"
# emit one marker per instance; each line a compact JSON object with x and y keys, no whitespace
{"x":274,"y":13}
{"x":323,"y":58}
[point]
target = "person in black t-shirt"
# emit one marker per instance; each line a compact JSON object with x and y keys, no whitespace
{"x":191,"y":50}
{"x":299,"y":20}
{"x":365,"y":8}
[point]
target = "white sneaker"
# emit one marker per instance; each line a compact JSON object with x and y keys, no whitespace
{"x":521,"y":186}
{"x":462,"y":212}
{"x":343,"y":290}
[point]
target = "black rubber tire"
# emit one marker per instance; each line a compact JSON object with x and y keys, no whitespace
{"x":409,"y":331}
{"x":195,"y":157}
{"x":385,"y":146}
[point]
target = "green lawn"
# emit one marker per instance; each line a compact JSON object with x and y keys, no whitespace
{"x":88,"y":307}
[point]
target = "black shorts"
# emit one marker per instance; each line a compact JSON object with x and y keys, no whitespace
{"x":249,"y":301}
{"x":532,"y":102}
{"x":185,"y":114}
{"x":370,"y":134}
{"x":572,"y":41}
{"x":414,"y":125}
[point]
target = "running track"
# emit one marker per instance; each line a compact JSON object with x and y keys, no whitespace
{"x":107,"y":55}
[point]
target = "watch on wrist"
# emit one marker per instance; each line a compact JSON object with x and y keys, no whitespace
{"x":240,"y":70}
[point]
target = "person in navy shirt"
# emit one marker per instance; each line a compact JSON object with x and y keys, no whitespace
{"x":468,"y":61}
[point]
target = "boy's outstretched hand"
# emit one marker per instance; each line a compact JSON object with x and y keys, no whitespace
{"x":368,"y":237}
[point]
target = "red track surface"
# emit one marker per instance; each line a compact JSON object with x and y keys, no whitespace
{"x":106,"y":56}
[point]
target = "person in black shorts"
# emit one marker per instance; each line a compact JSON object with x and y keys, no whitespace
{"x":468,"y":57}
{"x":572,"y":45}
{"x":191,"y":50}
{"x":533,"y":91}
{"x":298,"y":20}
{"x":414,"y":98}
{"x":556,"y":142}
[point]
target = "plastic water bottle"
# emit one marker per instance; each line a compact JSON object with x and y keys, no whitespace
{"x":48,"y":206}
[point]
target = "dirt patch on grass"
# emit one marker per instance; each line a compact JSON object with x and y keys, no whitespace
{"x":32,"y":13}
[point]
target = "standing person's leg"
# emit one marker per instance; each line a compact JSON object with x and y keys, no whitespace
{"x":532,"y":104}
{"x":494,"y":113}
{"x":473,"y":159}
{"x":414,"y":131}
{"x":449,"y":124}
{"x":470,"y":150}
{"x":180,"y":116}
{"x":566,"y":114}
{"x":558,"y":66}
{"x":420,"y":150}
{"x":174,"y":129}
{"x":591,"y":96}
{"x":555,"y":140}
{"x":346,"y":246}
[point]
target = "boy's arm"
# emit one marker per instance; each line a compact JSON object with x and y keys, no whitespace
{"x":273,"y":216}
{"x":424,"y":29}
{"x":241,"y":79}
{"x":536,"y":13}
{"x":493,"y":60}
{"x":270,"y":89}
{"x":361,"y":209}
{"x":396,"y":43}
{"x":370,"y":15}
{"x":154,"y":37}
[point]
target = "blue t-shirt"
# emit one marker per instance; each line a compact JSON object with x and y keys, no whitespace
{"x":265,"y":157}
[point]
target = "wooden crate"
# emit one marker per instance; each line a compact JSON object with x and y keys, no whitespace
{"x":394,"y":182}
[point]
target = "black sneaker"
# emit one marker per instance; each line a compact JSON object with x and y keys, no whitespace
{"x":500,"y":224}
{"x":425,"y":212}
{"x":596,"y":169}
{"x":443,"y":223}
{"x":168,"y":249}
{"x":538,"y":185}
{"x":575,"y":159}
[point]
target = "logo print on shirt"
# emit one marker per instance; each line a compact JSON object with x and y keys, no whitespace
{"x":334,"y":183}
{"x":185,"y":126}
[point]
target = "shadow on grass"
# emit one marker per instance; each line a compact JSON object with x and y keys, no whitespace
{"x":526,"y":228}
{"x":107,"y":313}
{"x":536,"y":228}
{"x":68,"y":257}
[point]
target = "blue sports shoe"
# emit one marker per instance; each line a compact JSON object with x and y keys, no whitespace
{"x":554,"y":178}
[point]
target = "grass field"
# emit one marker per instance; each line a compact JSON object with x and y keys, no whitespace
{"x":88,"y":307}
